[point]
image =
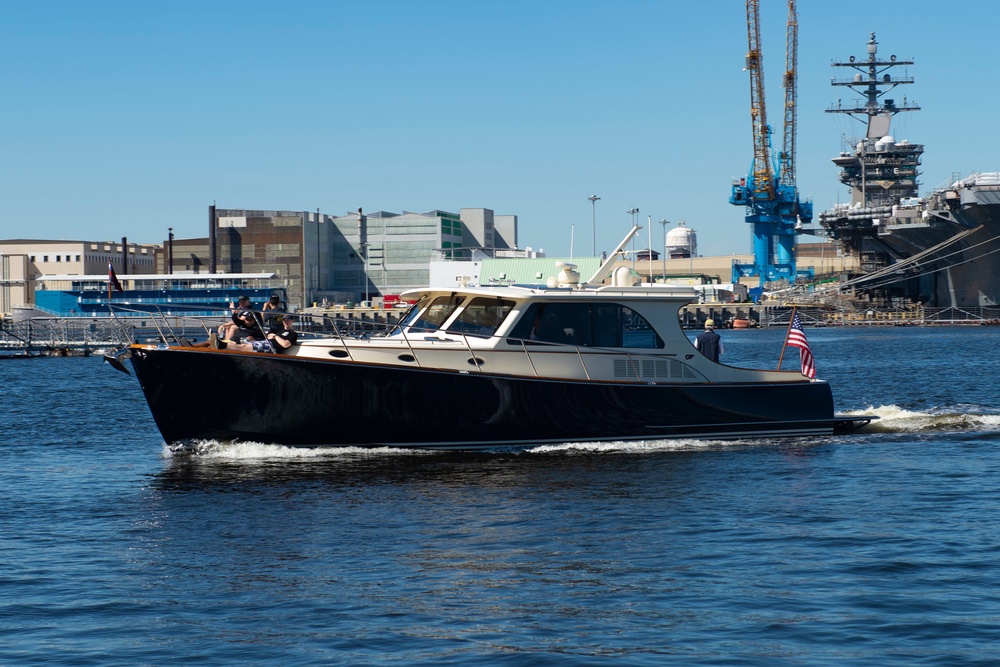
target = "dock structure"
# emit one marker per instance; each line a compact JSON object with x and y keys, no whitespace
{"x":83,"y":336}
{"x":694,"y":316}
{"x":79,"y":336}
{"x":76,"y":336}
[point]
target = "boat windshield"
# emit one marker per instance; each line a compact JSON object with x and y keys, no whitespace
{"x":482,"y":317}
{"x":411,"y":314}
{"x":435,"y":314}
{"x":585,"y":324}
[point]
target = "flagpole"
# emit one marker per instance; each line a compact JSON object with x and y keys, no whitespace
{"x":791,"y":318}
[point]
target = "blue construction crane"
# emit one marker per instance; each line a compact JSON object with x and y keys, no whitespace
{"x":769,"y":192}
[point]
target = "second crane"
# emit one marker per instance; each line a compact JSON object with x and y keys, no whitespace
{"x":769,"y":192}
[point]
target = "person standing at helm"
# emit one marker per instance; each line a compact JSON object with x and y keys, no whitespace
{"x":709,"y":343}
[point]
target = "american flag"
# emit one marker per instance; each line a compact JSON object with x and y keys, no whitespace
{"x":113,"y":279}
{"x":797,"y":338}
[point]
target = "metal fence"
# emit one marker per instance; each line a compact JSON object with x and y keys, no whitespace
{"x":75,"y":335}
{"x":918,"y":315}
{"x":64,"y":336}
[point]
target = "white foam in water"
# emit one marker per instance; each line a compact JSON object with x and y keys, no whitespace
{"x":630,"y":447}
{"x":993,"y":421}
{"x":892,"y":418}
{"x":256,"y":451}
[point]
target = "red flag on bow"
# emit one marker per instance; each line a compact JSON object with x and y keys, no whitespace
{"x":797,"y":338}
{"x":113,"y":279}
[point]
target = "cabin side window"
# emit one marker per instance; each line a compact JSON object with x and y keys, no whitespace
{"x":585,"y":324}
{"x":436,"y":314}
{"x":543,"y":323}
{"x":633,"y":329}
{"x":482,"y":317}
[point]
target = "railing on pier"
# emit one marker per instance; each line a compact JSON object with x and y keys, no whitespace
{"x":53,"y":335}
{"x":79,"y":335}
{"x":912,"y":316}
{"x":124,"y":325}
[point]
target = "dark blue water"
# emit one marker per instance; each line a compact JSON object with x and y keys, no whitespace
{"x":879,"y":548}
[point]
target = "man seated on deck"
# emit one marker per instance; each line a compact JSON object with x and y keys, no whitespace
{"x":272,"y":309}
{"x":244,"y":322}
{"x":277,"y":340}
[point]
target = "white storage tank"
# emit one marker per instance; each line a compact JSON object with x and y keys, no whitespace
{"x":682,"y":242}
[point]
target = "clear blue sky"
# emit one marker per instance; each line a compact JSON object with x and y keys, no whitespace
{"x":123,"y":119}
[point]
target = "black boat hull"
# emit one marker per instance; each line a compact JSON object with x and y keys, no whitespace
{"x":201,"y":394}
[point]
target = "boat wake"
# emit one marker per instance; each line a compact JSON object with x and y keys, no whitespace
{"x":635,"y":447}
{"x":216,"y":450}
{"x":890,"y":419}
{"x":894,"y":419}
{"x":255,"y":452}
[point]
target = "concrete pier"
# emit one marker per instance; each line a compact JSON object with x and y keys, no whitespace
{"x":53,"y":336}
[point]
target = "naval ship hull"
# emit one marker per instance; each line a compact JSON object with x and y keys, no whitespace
{"x":943,"y":249}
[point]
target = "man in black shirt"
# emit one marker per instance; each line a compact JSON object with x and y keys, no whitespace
{"x":709,"y":343}
{"x":286,"y":337}
{"x":272,"y":309}
{"x":244,"y":322}
{"x":277,"y":340}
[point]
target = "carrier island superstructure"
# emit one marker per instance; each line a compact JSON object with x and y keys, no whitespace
{"x":942,"y":249}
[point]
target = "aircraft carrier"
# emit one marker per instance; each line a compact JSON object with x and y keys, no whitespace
{"x":941,"y":249}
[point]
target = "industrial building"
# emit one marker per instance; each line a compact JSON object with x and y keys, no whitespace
{"x":24,"y":261}
{"x":311,"y":258}
{"x":353,"y":257}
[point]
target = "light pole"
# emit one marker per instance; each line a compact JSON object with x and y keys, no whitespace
{"x":664,"y":222}
{"x":690,"y":250}
{"x":593,"y":208}
{"x":364,"y":246}
{"x":633,"y":212}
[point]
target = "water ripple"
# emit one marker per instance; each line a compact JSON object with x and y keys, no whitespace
{"x":877,"y":548}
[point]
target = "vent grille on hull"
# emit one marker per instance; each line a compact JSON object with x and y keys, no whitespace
{"x":652,"y":369}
